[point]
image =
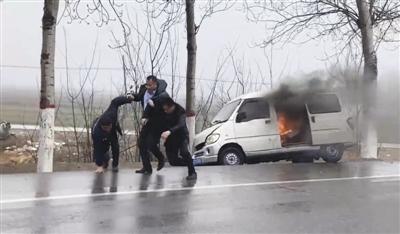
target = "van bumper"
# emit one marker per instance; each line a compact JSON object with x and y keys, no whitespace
{"x":349,"y":144}
{"x":209,"y":154}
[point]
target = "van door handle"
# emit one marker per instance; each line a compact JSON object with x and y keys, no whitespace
{"x":267,"y":121}
{"x":313,"y":119}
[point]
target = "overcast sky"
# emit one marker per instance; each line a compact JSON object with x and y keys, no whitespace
{"x":21,"y":45}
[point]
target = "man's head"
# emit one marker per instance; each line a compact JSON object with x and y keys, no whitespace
{"x":168,"y":105}
{"x":151,"y":83}
{"x":106,"y":124}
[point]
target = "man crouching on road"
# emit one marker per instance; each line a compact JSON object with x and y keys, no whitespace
{"x":104,"y":135}
{"x":175,"y":122}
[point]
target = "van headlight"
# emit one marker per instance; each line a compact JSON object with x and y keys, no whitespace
{"x":211,"y":139}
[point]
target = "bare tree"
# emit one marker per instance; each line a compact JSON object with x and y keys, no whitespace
{"x":272,"y":75}
{"x":191,"y":69}
{"x":87,"y":106}
{"x":46,"y":134}
{"x":72,"y":97}
{"x":221,"y":91}
{"x":111,"y":11}
{"x":175,"y":79}
{"x":89,"y":112}
{"x":173,"y":8}
{"x":369,"y":144}
{"x":351,"y":24}
{"x":192,"y":29}
{"x":206,"y":105}
{"x":145,"y":51}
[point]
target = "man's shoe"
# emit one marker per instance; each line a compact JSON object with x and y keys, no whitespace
{"x":115,"y":169}
{"x":99,"y":170}
{"x":143,"y":171}
{"x":192,"y":176}
{"x":160,"y":165}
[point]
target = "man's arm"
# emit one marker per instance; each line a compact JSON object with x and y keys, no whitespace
{"x":180,"y":125}
{"x":157,"y":99}
{"x":160,"y":97}
{"x":118,"y":128}
{"x":121,"y":100}
{"x":114,"y":147}
{"x":138,"y":97}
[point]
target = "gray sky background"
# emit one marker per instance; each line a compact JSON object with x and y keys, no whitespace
{"x":21,"y":45}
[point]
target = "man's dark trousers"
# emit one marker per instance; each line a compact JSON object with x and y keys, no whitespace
{"x":101,"y":149}
{"x":148,"y":142}
{"x":172,"y":146}
{"x":180,"y":145}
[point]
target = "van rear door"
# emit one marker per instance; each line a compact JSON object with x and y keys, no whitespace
{"x":327,"y":120}
{"x":254,"y":130}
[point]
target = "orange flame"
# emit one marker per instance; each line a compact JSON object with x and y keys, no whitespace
{"x":285,"y":127}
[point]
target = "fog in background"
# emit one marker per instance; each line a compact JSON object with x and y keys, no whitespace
{"x":222,"y":34}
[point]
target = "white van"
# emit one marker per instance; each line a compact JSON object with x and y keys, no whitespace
{"x":276,"y":126}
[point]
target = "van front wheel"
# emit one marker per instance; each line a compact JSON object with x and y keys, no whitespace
{"x":332,"y":153}
{"x":231,"y":156}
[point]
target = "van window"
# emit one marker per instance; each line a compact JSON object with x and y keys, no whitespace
{"x":323,"y":103}
{"x":226,"y":112}
{"x":255,"y":109}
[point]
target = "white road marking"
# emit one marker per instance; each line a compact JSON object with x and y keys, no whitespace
{"x":386,"y":180}
{"x":90,"y":195}
{"x":388,"y":145}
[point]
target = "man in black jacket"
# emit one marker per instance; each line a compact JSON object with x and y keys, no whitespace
{"x":175,"y":123}
{"x":150,"y":96}
{"x":104,"y":134}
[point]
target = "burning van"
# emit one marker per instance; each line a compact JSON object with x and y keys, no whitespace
{"x":282,"y":125}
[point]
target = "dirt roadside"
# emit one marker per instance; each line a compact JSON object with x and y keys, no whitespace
{"x":14,"y":163}
{"x":18,"y":155}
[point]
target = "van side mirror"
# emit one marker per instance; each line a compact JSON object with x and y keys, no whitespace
{"x":240,"y":117}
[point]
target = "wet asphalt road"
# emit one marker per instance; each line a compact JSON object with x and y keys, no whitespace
{"x":353,"y":197}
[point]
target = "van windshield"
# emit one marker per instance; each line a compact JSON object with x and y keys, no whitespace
{"x":226,"y":112}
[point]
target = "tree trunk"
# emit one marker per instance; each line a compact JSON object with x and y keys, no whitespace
{"x":191,"y":70}
{"x":369,"y":139}
{"x":47,"y":106}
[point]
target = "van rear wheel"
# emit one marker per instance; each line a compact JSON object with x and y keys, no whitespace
{"x":231,"y":156}
{"x":332,"y":153}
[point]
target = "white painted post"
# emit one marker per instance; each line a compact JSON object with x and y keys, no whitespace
{"x":191,"y":124}
{"x":46,"y":140}
{"x":369,"y":139}
{"x":47,"y":106}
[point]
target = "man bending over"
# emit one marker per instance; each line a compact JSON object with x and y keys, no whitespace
{"x":104,"y":135}
{"x":175,"y":122}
